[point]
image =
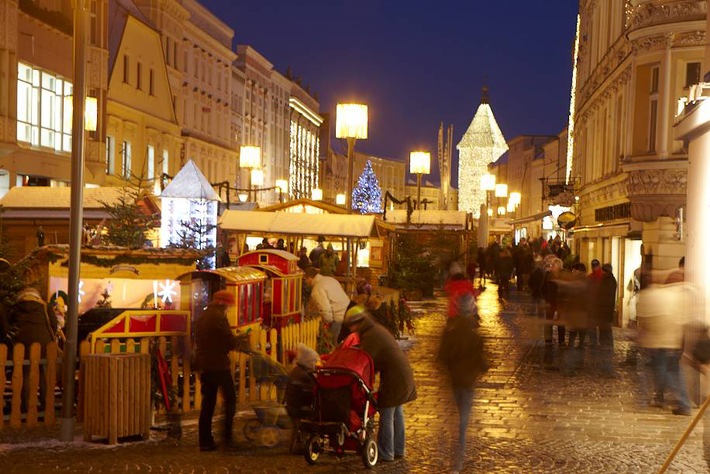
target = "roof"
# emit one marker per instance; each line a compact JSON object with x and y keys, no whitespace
{"x":190,"y":183}
{"x":450,"y":219}
{"x":231,"y":274}
{"x":334,"y":225}
{"x":44,"y":202}
{"x":299,"y":205}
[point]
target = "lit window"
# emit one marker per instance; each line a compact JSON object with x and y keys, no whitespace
{"x":110,"y":154}
{"x":165,"y":161}
{"x":43,"y":109}
{"x":151,"y":162}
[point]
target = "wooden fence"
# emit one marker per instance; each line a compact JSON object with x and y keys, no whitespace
{"x":185,"y":384}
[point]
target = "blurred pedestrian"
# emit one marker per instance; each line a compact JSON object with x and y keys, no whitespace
{"x":504,"y":271}
{"x":605,"y":314}
{"x":396,"y":380}
{"x":573,"y":292}
{"x":662,"y":311}
{"x":317,"y":251}
{"x":553,"y":266}
{"x":303,"y":261}
{"x":463,"y":356}
{"x":214,"y":340}
{"x":299,"y":391}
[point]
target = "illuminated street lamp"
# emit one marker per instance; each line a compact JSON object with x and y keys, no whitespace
{"x":514,"y":198}
{"x":282,"y":187}
{"x":351,"y":124}
{"x":501,"y":190}
{"x":250,"y":158}
{"x":340,"y":199}
{"x":419,"y":164}
{"x":317,"y":194}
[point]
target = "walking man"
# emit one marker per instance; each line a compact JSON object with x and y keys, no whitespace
{"x":214,"y":340}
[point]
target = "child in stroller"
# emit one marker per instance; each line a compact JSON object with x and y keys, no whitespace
{"x":299,"y":392}
{"x":344,"y":407}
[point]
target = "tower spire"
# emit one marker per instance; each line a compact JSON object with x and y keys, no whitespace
{"x":484,"y":94}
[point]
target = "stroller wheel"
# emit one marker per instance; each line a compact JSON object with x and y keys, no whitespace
{"x":369,"y":453}
{"x":313,"y":449}
{"x":251,"y":429}
{"x":269,"y":436}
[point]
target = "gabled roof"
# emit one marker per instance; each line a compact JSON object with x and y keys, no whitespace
{"x":118,"y":13}
{"x":190,"y":183}
{"x":297,"y":205}
{"x":329,"y":225}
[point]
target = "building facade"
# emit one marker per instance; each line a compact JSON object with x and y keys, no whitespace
{"x":634,"y":60}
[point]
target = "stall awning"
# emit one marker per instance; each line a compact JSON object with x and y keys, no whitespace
{"x":532,"y":218}
{"x":429,"y":218}
{"x":333,"y":225}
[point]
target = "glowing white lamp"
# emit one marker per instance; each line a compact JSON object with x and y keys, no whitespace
{"x":488,"y":182}
{"x":257,"y":177}
{"x":420,"y":162}
{"x":282,"y":185}
{"x":340,"y":199}
{"x":514,"y":198}
{"x":249,"y":156}
{"x":317,"y":194}
{"x":501,"y":190}
{"x":351,"y":121}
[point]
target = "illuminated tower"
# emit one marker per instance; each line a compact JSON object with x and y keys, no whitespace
{"x":482,"y":144}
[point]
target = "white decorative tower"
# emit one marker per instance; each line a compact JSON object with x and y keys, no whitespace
{"x":482,"y":144}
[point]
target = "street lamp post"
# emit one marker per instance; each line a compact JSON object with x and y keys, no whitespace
{"x":488,"y":184}
{"x":419,"y":164}
{"x":282,"y":186}
{"x":80,"y":37}
{"x":351,"y":124}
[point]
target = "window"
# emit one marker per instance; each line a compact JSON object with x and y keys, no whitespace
{"x":44,"y":109}
{"x":692,"y":74}
{"x":166,"y":161}
{"x":126,"y":69}
{"x":110,"y":154}
{"x":150,"y":158}
{"x":653,"y":110}
{"x":139,"y":74}
{"x":151,"y":82}
{"x":126,"y":159}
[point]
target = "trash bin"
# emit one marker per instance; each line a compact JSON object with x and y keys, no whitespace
{"x":116,"y":396}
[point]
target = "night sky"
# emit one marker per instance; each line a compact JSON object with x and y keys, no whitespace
{"x":417,"y":63}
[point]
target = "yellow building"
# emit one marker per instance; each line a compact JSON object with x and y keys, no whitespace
{"x":633,"y":62}
{"x":35,"y":90}
{"x":143,"y":138}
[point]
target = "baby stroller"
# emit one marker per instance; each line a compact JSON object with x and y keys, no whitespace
{"x":344,"y":408}
{"x":271,"y":415}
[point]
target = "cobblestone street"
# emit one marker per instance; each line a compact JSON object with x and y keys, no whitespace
{"x":527,"y":417}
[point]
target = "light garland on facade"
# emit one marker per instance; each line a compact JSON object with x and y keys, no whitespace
{"x":482,"y":144}
{"x":572,"y":106}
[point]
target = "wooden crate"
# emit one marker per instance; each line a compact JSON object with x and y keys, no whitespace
{"x":116,"y":396}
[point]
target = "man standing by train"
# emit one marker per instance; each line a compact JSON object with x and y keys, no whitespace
{"x":214,"y":340}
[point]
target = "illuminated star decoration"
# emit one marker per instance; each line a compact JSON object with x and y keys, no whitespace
{"x":166,"y":291}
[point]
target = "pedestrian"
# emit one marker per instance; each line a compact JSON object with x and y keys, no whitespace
{"x":573,"y":291}
{"x":299,"y":391}
{"x":463,"y":356}
{"x":504,"y":271}
{"x":303,"y":261}
{"x":328,"y":261}
{"x":30,"y":322}
{"x":317,"y":251}
{"x":396,"y":380}
{"x":662,"y":312}
{"x":553,"y":266}
{"x":605,"y":314}
{"x":214,"y":340}
{"x":330,"y":302}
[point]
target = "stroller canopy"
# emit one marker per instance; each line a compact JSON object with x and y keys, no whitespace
{"x":353,"y":360}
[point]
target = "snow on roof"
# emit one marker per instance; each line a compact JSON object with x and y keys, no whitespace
{"x":345,"y":225}
{"x":190,"y":183}
{"x":45,"y":197}
{"x":426,"y":217}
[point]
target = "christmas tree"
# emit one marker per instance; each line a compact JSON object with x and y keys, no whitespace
{"x":367,"y":195}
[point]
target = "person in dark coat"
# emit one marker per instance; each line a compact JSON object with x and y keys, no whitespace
{"x":605,"y":308}
{"x":504,"y":271}
{"x":396,"y":380}
{"x":463,"y":356}
{"x":30,"y":322}
{"x":214,"y":340}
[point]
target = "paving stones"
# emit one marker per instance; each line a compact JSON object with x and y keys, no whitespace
{"x":526,"y":417}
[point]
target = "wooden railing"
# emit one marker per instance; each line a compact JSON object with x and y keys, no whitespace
{"x":175,"y":349}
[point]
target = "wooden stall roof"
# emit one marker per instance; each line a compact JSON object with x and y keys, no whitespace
{"x":430,"y":219}
{"x":333,"y":225}
{"x":231,"y":274}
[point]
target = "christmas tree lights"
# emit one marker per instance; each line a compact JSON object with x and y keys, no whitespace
{"x":367,"y":195}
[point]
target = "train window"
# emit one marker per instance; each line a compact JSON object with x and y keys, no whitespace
{"x":264,"y":258}
{"x":242,"y":303}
